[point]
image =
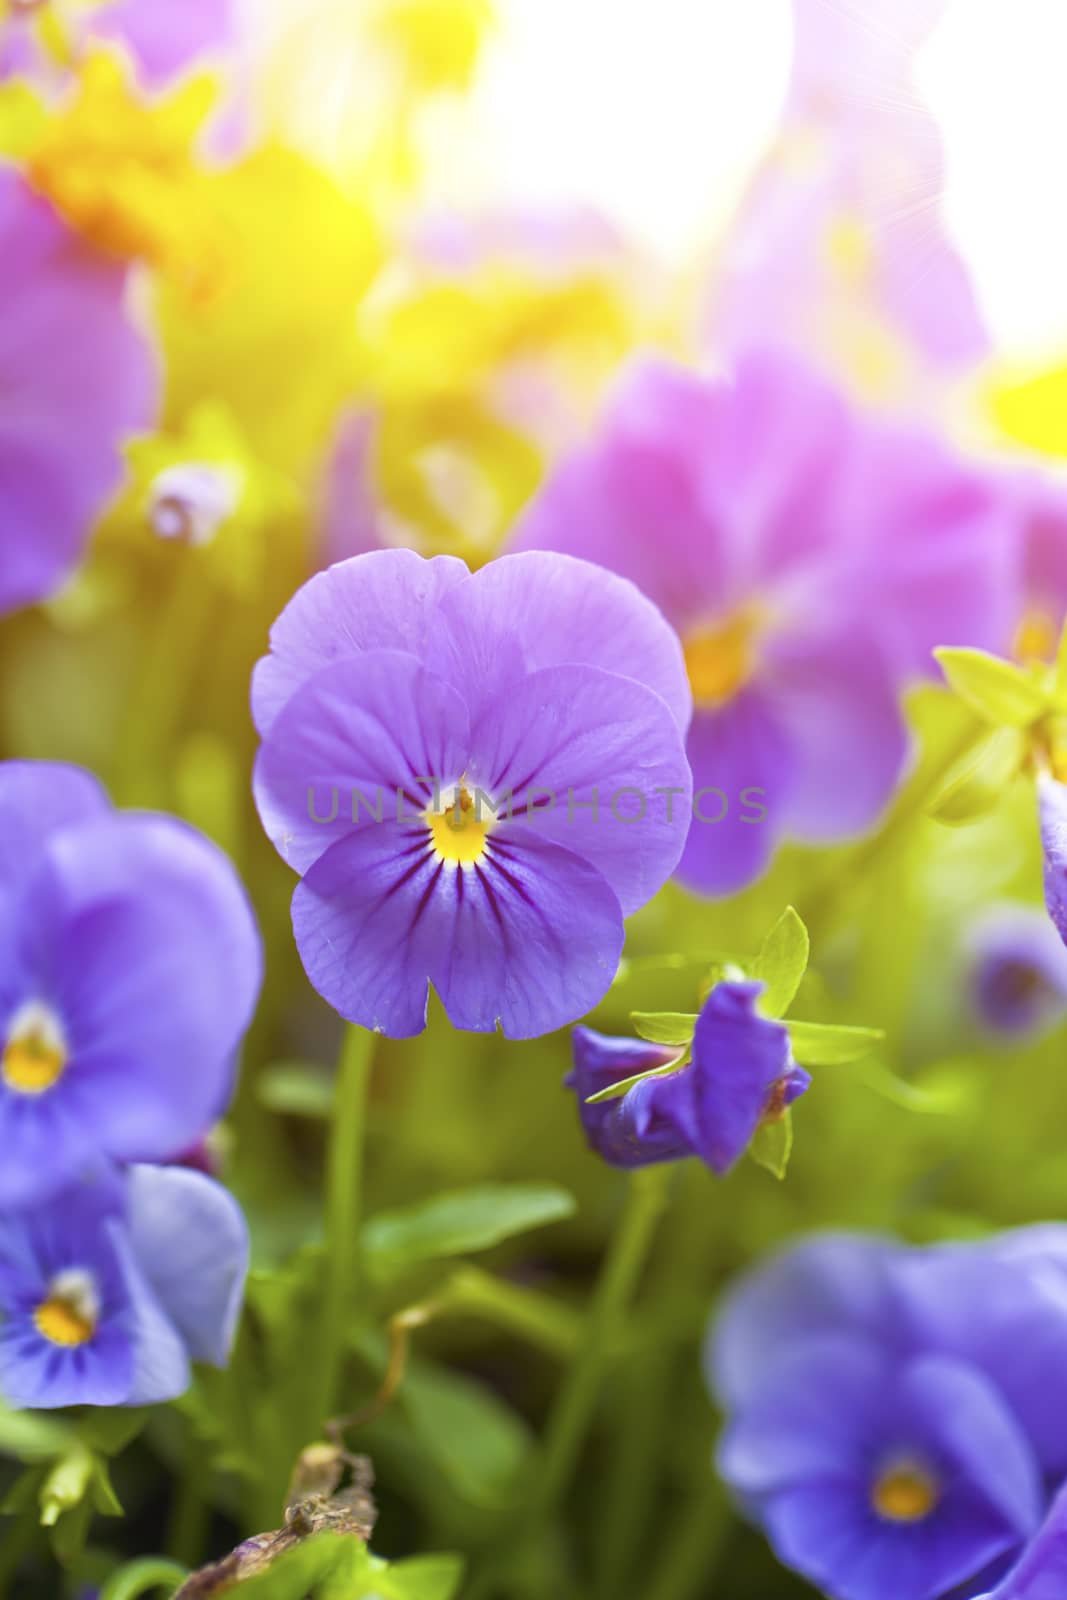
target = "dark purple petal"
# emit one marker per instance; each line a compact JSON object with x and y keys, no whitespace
{"x":599,"y":1062}
{"x":352,"y":739}
{"x":718,"y":1102}
{"x":382,"y":600}
{"x":540,"y":609}
{"x":595,"y":764}
{"x":528,"y":938}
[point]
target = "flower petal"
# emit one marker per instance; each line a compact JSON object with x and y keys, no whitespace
{"x":530,"y":938}
{"x":610,"y":756}
{"x":190,"y":1240}
{"x":541,"y":609}
{"x":381,"y":600}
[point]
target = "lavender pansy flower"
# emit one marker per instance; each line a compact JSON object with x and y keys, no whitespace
{"x":1017,"y":972}
{"x":799,"y":552}
{"x":75,"y":379}
{"x":130,"y":965}
{"x":477,"y":776}
{"x":741,"y":1075}
{"x":109,"y":1290}
{"x":893,"y":1413}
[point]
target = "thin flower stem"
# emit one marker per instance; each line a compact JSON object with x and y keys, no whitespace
{"x":693,"y":1546}
{"x":343,"y":1205}
{"x":615,"y":1288}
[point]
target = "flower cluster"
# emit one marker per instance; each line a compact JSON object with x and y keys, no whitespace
{"x":129,"y":970}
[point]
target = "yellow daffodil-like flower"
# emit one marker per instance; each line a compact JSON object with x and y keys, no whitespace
{"x":275,"y":344}
{"x":467,"y":380}
{"x":121,"y":169}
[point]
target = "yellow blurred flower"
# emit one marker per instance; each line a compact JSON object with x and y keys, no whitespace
{"x":471,"y":382}
{"x":1031,"y":409}
{"x":122,"y":169}
{"x":275,"y":342}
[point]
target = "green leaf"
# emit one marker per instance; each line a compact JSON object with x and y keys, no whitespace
{"x":479,"y":1444}
{"x":427,"y":1577}
{"x":102,"y":1491}
{"x":326,"y":1564}
{"x":664,"y":1027}
{"x":823,"y":1044}
{"x":29,"y":1436}
{"x":459,"y":1222}
{"x":1000,"y":692}
{"x":782,"y":963}
{"x":977,"y":782}
{"x":296,"y":1089}
{"x":615,"y":1091}
{"x":772,"y":1145}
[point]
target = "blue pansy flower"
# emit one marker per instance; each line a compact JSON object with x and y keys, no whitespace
{"x":1042,"y":1572}
{"x":741,"y":1075}
{"x":109,"y":1290}
{"x":895,"y":1415}
{"x":130,"y":965}
{"x":478,"y":776}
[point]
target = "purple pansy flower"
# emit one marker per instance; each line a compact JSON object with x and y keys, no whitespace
{"x":741,"y":1075}
{"x":1017,"y":973}
{"x":838,"y":253}
{"x":130,"y":965}
{"x":75,"y":379}
{"x":809,"y":561}
{"x":477,"y":776}
{"x":164,"y":37}
{"x":894,"y":1414}
{"x":109,"y":1290}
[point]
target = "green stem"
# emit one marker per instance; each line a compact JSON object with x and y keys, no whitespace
{"x":140,"y":1576}
{"x":692,"y":1547}
{"x":577,"y":1401}
{"x":343,"y":1201}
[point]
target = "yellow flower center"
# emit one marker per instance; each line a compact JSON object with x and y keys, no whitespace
{"x":905,"y":1493}
{"x":1036,"y":637}
{"x":848,"y":249}
{"x":459,"y":831}
{"x":721,"y":659}
{"x":70,"y":1314}
{"x":35,"y":1055}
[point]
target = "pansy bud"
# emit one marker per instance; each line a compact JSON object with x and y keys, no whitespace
{"x":190,"y":502}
